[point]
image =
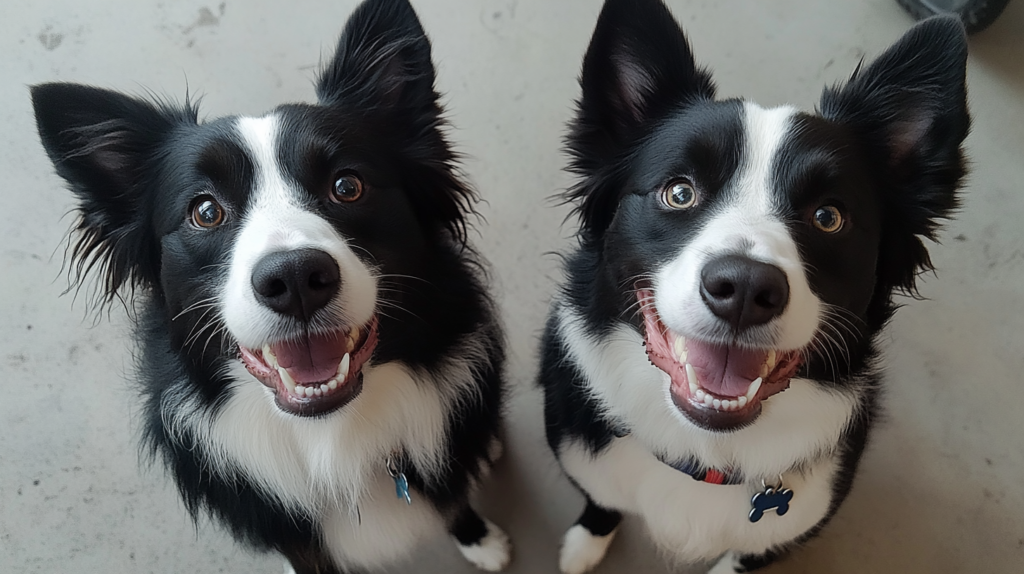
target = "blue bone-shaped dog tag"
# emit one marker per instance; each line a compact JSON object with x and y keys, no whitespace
{"x":772,"y":498}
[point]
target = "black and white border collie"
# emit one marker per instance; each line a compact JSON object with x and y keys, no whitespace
{"x":711,"y":363}
{"x":320,"y":361}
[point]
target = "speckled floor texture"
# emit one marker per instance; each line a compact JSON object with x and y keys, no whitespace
{"x":941,"y":487}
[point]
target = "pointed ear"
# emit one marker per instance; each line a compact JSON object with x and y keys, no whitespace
{"x":638,"y":68}
{"x":102,"y":143}
{"x":382,"y":66}
{"x":382,"y":60}
{"x":909,"y":108}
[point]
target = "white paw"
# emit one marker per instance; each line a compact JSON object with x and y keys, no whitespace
{"x":728,"y":564}
{"x":492,"y":553}
{"x":582,"y":551}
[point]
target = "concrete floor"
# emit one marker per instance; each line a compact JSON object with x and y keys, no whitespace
{"x":941,"y":485}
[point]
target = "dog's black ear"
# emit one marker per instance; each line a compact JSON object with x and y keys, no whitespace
{"x":382,"y":61}
{"x":101,"y":143}
{"x":909,"y":107}
{"x":638,"y":67}
{"x":382,"y":68}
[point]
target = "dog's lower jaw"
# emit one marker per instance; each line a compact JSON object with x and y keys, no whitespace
{"x":728,"y":407}
{"x":318,"y":397}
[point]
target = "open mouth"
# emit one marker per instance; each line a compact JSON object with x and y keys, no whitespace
{"x":718,"y":387}
{"x":317,"y":374}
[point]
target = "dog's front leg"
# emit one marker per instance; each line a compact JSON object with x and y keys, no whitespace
{"x":587,"y":541}
{"x":479,"y":540}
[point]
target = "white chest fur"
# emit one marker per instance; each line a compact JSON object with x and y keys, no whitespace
{"x":330,"y":466}
{"x":694,"y":520}
{"x":690,"y":519}
{"x":385,"y":528}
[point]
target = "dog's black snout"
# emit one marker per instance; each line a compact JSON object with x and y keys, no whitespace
{"x":297,"y":282}
{"x":744,"y":292}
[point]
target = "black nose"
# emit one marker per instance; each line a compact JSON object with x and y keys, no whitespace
{"x":297,"y":282}
{"x":742,"y":291}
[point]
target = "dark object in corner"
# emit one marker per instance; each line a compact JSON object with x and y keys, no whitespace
{"x":975,"y":14}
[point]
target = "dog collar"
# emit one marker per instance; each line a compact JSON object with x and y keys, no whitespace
{"x":769,"y":498}
{"x":690,"y":466}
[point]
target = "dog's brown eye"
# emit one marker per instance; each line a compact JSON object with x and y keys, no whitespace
{"x":828,"y":219}
{"x":206,"y":212}
{"x":679,"y":194}
{"x":347,"y":188}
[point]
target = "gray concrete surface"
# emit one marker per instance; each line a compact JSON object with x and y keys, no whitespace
{"x":941,"y":486}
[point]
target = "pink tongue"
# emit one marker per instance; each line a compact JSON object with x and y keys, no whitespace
{"x":312,"y":360}
{"x":725,"y":371}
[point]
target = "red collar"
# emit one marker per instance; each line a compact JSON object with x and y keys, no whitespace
{"x":692,"y":467}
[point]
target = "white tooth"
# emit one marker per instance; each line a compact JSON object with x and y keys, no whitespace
{"x":680,"y":348}
{"x":269,"y":356}
{"x":310,"y":392}
{"x":287,"y":379}
{"x":709,"y":400}
{"x":726,"y":405}
{"x":324,"y":388}
{"x":699,"y":395}
{"x":734,"y":404}
{"x":332,"y":385}
{"x":341,"y":378}
{"x":742,"y":402}
{"x":318,"y":392}
{"x":717,"y":403}
{"x":771,"y":360}
{"x":300,"y":390}
{"x":764,"y":370}
{"x":691,"y":376}
{"x":754,"y":387}
{"x":693,"y":387}
{"x":343,"y":367}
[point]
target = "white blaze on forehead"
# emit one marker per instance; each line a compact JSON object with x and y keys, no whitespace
{"x":765,"y":131}
{"x":747,"y":220}
{"x":278,"y":217}
{"x":259,"y":136}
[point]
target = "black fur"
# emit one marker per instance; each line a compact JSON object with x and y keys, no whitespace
{"x":136,"y":167}
{"x":634,"y":73}
{"x":599,"y":521}
{"x":569,"y":411}
{"x":886,"y":146}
